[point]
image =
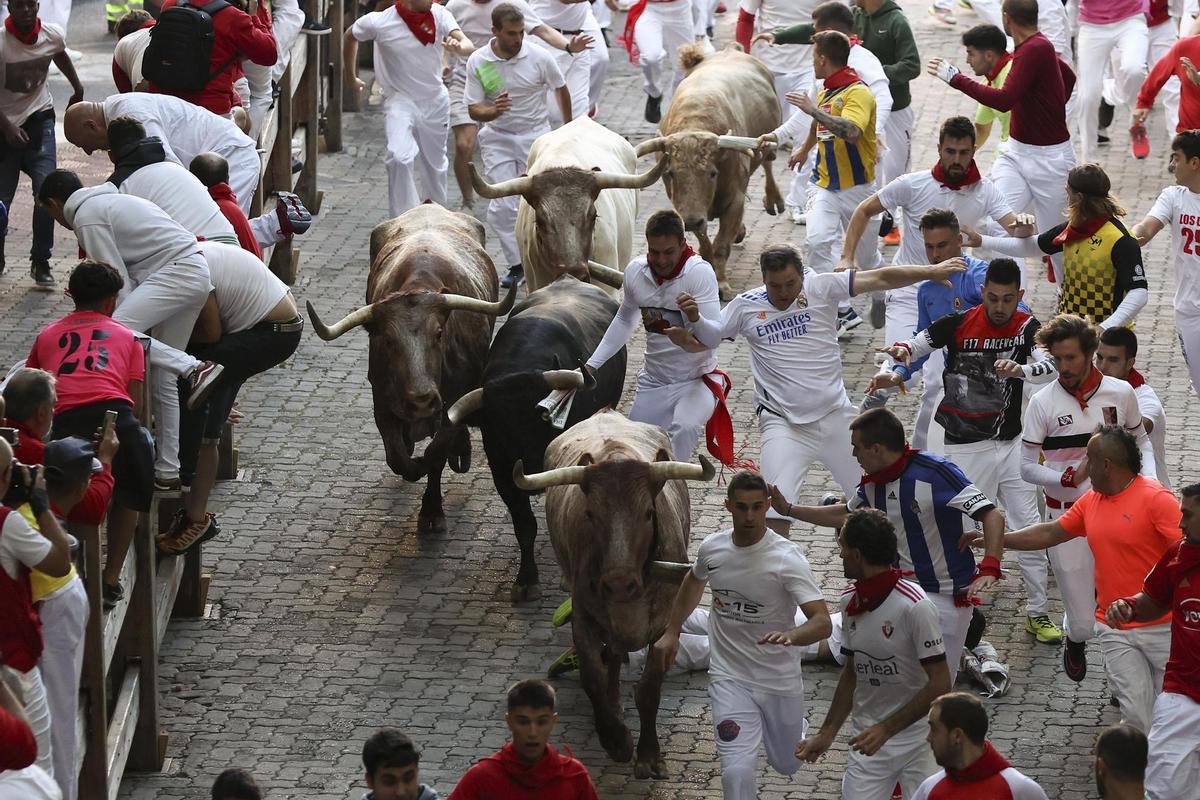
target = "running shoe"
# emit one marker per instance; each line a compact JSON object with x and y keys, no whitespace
{"x":294,"y":218}
{"x":562,"y":615}
{"x":847,"y":321}
{"x":1043,"y":629}
{"x":111,"y":595}
{"x":653,"y":111}
{"x":567,"y":662}
{"x":1075,"y":659}
{"x":1139,"y":142}
{"x":201,"y":381}
{"x":943,"y":15}
{"x":193,"y":535}
{"x":798,"y":216}
{"x":43,"y":278}
{"x":892,"y":239}
{"x":878,"y":311}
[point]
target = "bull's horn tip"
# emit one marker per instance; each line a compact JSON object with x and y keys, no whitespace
{"x":709,"y":469}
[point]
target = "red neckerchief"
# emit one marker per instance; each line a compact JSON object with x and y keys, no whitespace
{"x":718,"y":431}
{"x":989,"y":764}
{"x":419,"y":22}
{"x":971,"y":177}
{"x":626,"y":37}
{"x":1135,"y":378}
{"x":854,"y":40}
{"x":1158,"y":13}
{"x":1000,"y":65}
{"x":147,"y":24}
{"x":869,"y":593}
{"x":687,"y":253}
{"x":843,"y":77}
{"x":1072,"y":234}
{"x":889,"y":474}
{"x":23,"y":38}
{"x":1087,"y":388}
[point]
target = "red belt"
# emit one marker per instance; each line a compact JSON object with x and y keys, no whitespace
{"x":1052,"y":503}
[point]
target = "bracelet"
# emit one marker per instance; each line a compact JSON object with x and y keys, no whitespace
{"x":790,"y":507}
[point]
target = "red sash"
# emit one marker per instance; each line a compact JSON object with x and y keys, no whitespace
{"x":718,"y":431}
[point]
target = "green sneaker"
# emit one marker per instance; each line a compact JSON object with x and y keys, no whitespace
{"x":562,"y":615}
{"x":567,"y":662}
{"x":1042,"y":628}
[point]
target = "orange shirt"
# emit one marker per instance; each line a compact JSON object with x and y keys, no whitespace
{"x":1128,"y":533}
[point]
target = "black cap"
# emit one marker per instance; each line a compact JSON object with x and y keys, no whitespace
{"x":72,"y":458}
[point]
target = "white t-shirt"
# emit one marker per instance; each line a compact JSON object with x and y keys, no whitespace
{"x":1178,"y":208}
{"x":526,"y":77}
{"x":1153,"y":412}
{"x":129,"y":52}
{"x":246,"y":289}
{"x":21,"y":545}
{"x":24,"y":89}
{"x":475,"y":20}
{"x":794,"y":353}
{"x":31,"y":783}
{"x":186,"y":129}
{"x":1019,"y":786}
{"x":917,"y":192}
{"x":645,"y":301}
{"x":403,"y":65}
{"x":769,"y":15}
{"x":563,"y":16}
{"x":755,"y":591}
{"x":185,"y":199}
{"x":890,"y":646}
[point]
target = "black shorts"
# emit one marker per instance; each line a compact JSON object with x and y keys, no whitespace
{"x":133,"y":466}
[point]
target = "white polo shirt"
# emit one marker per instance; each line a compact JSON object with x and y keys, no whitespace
{"x":563,"y":16}
{"x":526,"y":77}
{"x":186,"y":129}
{"x":770,"y":15}
{"x":185,"y":199}
{"x":891,"y":646}
{"x":794,"y":353}
{"x":403,"y":65}
{"x":917,"y":192}
{"x":475,"y":20}
{"x":1178,"y":208}
{"x":246,"y":290}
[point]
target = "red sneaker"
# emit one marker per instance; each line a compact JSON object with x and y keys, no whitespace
{"x":893,"y":237}
{"x":1139,"y":142}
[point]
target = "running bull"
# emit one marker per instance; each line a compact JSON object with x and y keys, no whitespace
{"x":557,"y":326}
{"x":431,"y":307}
{"x":620,"y":519}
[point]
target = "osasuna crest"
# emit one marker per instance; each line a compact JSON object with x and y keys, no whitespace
{"x":888,"y":629}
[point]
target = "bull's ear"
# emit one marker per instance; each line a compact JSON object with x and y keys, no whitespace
{"x":595,"y":169}
{"x":663,"y":455}
{"x":585,"y":460}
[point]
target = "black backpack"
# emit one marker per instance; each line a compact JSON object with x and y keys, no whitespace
{"x":179,"y":55}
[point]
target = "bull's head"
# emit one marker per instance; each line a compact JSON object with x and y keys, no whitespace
{"x":692,"y":179}
{"x":563,"y":200}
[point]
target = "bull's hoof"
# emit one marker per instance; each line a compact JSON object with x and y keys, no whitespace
{"x":655,"y":767}
{"x":459,"y":457}
{"x":774,"y":205}
{"x":726,"y":291}
{"x":741,"y":237}
{"x":431,"y":523}
{"x":618,"y":743}
{"x":522,"y":593}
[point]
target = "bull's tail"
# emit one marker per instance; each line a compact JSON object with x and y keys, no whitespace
{"x":690,"y":55}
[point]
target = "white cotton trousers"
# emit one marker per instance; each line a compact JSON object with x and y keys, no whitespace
{"x":905,"y":759}
{"x":931,"y":396}
{"x":681,"y":409}
{"x":1187,"y":328}
{"x":37,"y":710}
{"x":1134,"y":660}
{"x":416,"y":147}
{"x":1161,"y":37}
{"x":166,"y":305}
{"x":994,"y":466}
{"x":64,"y":615}
{"x":1075,"y":571}
{"x":577,"y":72}
{"x":505,"y":156}
{"x":286,"y":21}
{"x":1035,"y":175}
{"x":897,"y":158}
{"x":597,"y":57}
{"x":829,"y":212}
{"x":955,"y":620}
{"x":1095,"y":46}
{"x":744,"y":718}
{"x":661,"y":30}
{"x":789,"y":451}
{"x":1174,"y":766}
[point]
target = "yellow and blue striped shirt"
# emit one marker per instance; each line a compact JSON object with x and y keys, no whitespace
{"x":842,"y":164}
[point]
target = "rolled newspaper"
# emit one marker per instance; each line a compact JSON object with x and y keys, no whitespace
{"x":556,"y":407}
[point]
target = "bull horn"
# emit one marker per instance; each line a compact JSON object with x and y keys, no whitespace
{"x":743,"y":144}
{"x":656,"y":145}
{"x":458,"y":302}
{"x":569,"y":379}
{"x":669,"y":571}
{"x":351,"y":320}
{"x":607,"y":275}
{"x":681,"y":470}
{"x":465,"y":406}
{"x":616,"y":180}
{"x":490,"y":191}
{"x":562,"y":476}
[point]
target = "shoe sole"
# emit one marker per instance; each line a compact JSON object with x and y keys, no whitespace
{"x":200,"y":393}
{"x":209,"y":534}
{"x":878,"y":313}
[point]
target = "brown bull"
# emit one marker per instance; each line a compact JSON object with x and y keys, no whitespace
{"x":431,"y":306}
{"x":617,"y":507}
{"x":724,"y":93}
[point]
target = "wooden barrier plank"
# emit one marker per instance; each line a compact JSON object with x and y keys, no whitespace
{"x":93,"y":746}
{"x":333,"y":103}
{"x":114,"y":621}
{"x":120,"y":733}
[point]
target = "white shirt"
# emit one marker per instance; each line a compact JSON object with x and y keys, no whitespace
{"x":647,"y":302}
{"x":563,"y":16}
{"x":794,"y":353}
{"x":475,"y":20}
{"x":186,"y":129}
{"x":755,"y":591}
{"x":21,"y":545}
{"x":1178,"y":208}
{"x":1153,"y":412}
{"x":185,"y":199}
{"x":917,"y":192}
{"x":870,"y":71}
{"x":246,"y":290}
{"x":403,"y":65}
{"x":770,"y":15}
{"x":890,"y":646}
{"x":527,"y":77}
{"x":1020,"y":787}
{"x":31,"y":783}
{"x":129,"y":52}
{"x":23,"y":87}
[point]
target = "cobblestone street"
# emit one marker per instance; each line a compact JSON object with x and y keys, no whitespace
{"x":331,"y":617}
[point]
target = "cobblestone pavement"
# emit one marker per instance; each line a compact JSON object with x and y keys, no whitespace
{"x":332,"y":617}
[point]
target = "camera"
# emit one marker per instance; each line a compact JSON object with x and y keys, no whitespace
{"x":19,"y":488}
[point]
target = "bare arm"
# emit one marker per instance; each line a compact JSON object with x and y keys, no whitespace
{"x":817,"y":626}
{"x":563,"y":95}
{"x":813,"y":747}
{"x":884,"y":278}
{"x":686,"y":600}
{"x":1036,"y":537}
{"x":456,"y":41}
{"x":1146,"y":230}
{"x":67,"y":68}
{"x":838,"y":126}
{"x":858,"y":225}
{"x":869,"y":740}
{"x":1144,"y":608}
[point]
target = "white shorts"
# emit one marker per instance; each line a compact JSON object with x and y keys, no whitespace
{"x":456,"y":85}
{"x":905,"y":759}
{"x":744,"y":718}
{"x":1174,"y":766}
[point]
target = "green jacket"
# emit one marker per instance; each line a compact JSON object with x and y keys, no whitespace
{"x":886,"y":34}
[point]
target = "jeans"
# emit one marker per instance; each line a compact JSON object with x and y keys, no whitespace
{"x":37,"y":160}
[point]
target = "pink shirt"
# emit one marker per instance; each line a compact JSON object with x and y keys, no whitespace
{"x":1105,"y":12}
{"x":93,"y":357}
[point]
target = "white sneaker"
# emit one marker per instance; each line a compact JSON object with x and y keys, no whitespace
{"x":797,"y":216}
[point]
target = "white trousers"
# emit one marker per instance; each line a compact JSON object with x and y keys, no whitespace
{"x":1187,"y":328}
{"x":1174,"y":766}
{"x":661,"y":30}
{"x":799,"y":81}
{"x":166,"y":305}
{"x":828,"y":214}
{"x":286,"y":21}
{"x":994,"y":466}
{"x":681,"y":409}
{"x":744,"y":718}
{"x":64,"y":615}
{"x":1161,"y":37}
{"x":597,"y":57}
{"x":37,"y":710}
{"x":505,"y":156}
{"x":1033,"y":175}
{"x":1095,"y":47}
{"x":931,"y":395}
{"x":1075,"y":571}
{"x":955,"y":620}
{"x":1134,"y":660}
{"x":905,"y":759}
{"x":56,"y":11}
{"x":416,"y":144}
{"x":577,"y":72}
{"x":897,"y":158}
{"x":788,"y":451}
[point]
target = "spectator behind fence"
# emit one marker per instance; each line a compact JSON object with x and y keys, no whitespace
{"x":213,"y":172}
{"x":393,"y":768}
{"x":27,"y":119}
{"x":528,"y":766}
{"x":1120,"y":765}
{"x":133,"y":34}
{"x":235,"y":784}
{"x":20,"y":777}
